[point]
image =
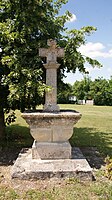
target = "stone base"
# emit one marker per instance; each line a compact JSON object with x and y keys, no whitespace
{"x":51,"y":150}
{"x":27,"y":168}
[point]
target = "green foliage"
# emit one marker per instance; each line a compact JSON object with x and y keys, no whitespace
{"x":100,"y":90}
{"x":10,"y":118}
{"x":108,"y":171}
{"x":64,"y":92}
{"x":81,"y":89}
{"x":73,"y":58}
{"x":25,"y":26}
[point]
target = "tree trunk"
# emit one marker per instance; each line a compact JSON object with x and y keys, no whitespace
{"x":2,"y":124}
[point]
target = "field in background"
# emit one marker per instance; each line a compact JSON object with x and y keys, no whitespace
{"x":94,"y":128}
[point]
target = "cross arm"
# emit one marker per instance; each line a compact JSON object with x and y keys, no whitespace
{"x":60,"y":52}
{"x":43,"y":52}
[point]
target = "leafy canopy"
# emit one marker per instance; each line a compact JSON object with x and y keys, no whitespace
{"x":100,"y":90}
{"x":25,"y":26}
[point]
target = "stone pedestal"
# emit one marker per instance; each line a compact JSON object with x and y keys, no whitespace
{"x":33,"y":169}
{"x":51,"y":150}
{"x":51,"y":132}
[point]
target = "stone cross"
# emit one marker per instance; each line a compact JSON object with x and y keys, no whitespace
{"x":51,"y":66}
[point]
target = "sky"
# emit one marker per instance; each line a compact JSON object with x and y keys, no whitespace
{"x":97,"y":13}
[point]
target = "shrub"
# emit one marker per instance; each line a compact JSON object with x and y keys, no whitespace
{"x":108,"y":171}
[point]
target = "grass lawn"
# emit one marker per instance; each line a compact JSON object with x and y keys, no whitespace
{"x":93,"y":130}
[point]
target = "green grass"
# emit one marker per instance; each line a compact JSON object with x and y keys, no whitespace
{"x":67,"y":190}
{"x":93,"y":129}
{"x":8,"y":193}
{"x":96,"y":129}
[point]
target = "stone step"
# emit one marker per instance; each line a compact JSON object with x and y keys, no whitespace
{"x":27,"y":168}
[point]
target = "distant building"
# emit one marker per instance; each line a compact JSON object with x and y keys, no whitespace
{"x":81,"y":102}
{"x":72,"y":98}
{"x":89,"y":102}
{"x":85,"y":102}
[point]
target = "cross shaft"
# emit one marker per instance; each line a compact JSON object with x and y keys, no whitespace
{"x":51,"y":66}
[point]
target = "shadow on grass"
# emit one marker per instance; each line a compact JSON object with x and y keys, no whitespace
{"x":90,"y":141}
{"x":17,"y":137}
{"x":90,"y":137}
{"x":94,"y":145}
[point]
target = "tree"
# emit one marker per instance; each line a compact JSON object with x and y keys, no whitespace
{"x":81,"y":89}
{"x":64,"y":92}
{"x":109,"y":92}
{"x":25,"y":27}
{"x":4,"y":91}
{"x":101,"y":89}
